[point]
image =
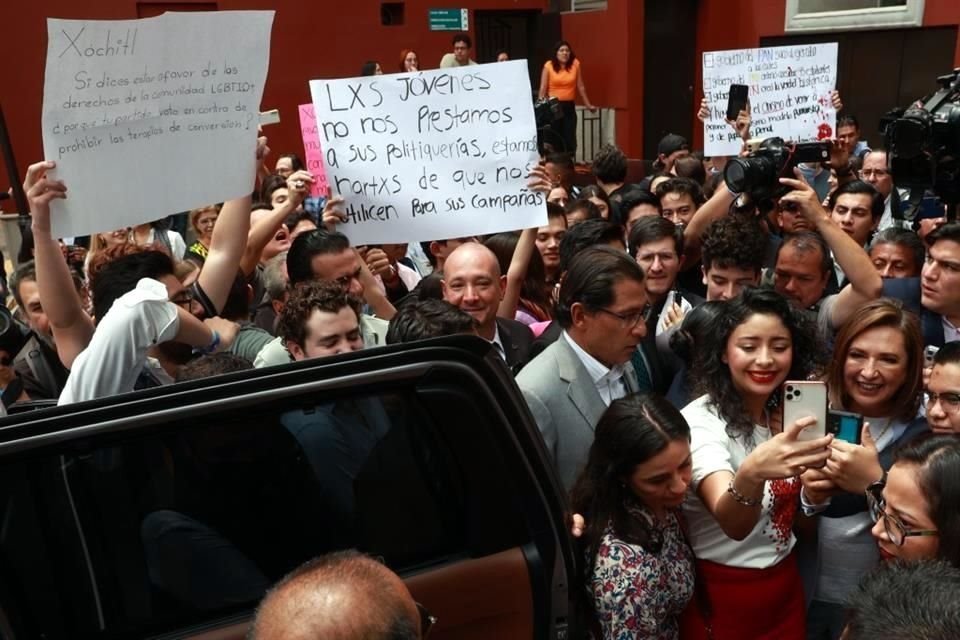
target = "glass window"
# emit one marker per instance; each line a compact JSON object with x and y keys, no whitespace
{"x":194,"y":520}
{"x":833,"y":15}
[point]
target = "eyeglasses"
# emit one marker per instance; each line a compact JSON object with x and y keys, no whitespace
{"x":948,"y":401}
{"x":896,"y":531}
{"x":870,"y":173}
{"x":426,"y":620}
{"x":183,"y":298}
{"x":630,"y":320}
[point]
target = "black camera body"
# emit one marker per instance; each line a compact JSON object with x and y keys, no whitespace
{"x":923,"y":142}
{"x":758,"y":174}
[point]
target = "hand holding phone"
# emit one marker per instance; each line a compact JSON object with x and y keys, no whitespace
{"x":845,"y":426}
{"x":737,"y":100}
{"x":806,"y":399}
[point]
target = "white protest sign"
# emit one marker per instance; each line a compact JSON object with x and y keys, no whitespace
{"x":789,"y":93}
{"x":431,"y":155}
{"x":146,"y":118}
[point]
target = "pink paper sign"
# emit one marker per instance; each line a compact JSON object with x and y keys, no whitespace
{"x":313,"y":152}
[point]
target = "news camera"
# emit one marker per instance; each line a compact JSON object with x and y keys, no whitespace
{"x":758,"y":174}
{"x":923,"y":145}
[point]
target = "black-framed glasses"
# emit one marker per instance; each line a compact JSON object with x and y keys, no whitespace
{"x":426,"y":620}
{"x":949,"y":402}
{"x":183,"y":298}
{"x":628,"y":320}
{"x":897,"y":532}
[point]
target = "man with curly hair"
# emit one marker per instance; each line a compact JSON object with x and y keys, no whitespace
{"x":320,"y":319}
{"x":733,"y":255}
{"x":610,"y":169}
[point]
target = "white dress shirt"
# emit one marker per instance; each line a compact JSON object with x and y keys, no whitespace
{"x":609,"y":381}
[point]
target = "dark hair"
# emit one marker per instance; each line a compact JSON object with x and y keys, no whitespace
{"x":806,"y":242}
{"x":564,"y":160}
{"x":24,"y":271}
{"x":308,"y":245}
{"x":711,"y":375}
{"x":691,"y":167}
{"x":631,"y":431}
{"x":653,"y":228}
{"x":734,"y":242}
{"x":307,"y":297}
{"x":582,"y":204}
{"x":430,"y":287}
{"x":464,"y":38}
{"x":389,"y":619}
{"x":428,"y":318}
{"x":121,"y":274}
{"x":884,"y":312}
{"x":682,"y":186}
{"x":903,"y":600}
{"x":948,"y":354}
{"x":594,"y":191}
{"x":859,"y":187}
{"x":213,"y":364}
{"x":938,"y":459}
{"x":556,"y":49}
{"x":902,"y":238}
{"x":591,"y":278}
{"x":270,"y":184}
{"x":610,"y":164}
{"x":554,"y":210}
{"x":534,"y":290}
{"x":295,"y":162}
{"x":296,"y":217}
{"x":949,"y":231}
{"x":634,"y":198}
{"x":848,"y":121}
{"x":369,"y":68}
{"x":584,"y":235}
{"x":698,"y":323}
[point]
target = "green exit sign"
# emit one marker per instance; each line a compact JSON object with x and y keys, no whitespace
{"x":449,"y":19}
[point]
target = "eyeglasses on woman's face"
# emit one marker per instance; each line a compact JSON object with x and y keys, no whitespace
{"x":896,"y":531}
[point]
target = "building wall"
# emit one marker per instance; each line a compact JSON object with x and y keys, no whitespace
{"x":322,"y":38}
{"x":720,"y":28}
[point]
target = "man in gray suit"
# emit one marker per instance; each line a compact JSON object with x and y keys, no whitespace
{"x":568,"y":387}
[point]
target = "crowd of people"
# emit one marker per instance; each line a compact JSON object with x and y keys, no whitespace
{"x":651,"y":328}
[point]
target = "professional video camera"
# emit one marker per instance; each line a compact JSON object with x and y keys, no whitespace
{"x":923,"y":143}
{"x":758,"y":174}
{"x":13,"y":334}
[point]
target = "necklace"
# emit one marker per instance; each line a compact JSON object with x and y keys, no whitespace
{"x":883,"y":432}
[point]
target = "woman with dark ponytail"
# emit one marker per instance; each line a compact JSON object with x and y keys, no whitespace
{"x":639,"y":573}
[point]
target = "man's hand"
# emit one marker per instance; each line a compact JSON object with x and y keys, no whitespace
{"x":836,"y":101}
{"x":539,"y":180}
{"x":704,"y":111}
{"x":333,"y":213}
{"x":298,"y":186}
{"x":840,"y":156}
{"x":929,"y":225}
{"x":804,"y":197}
{"x":262,"y":149}
{"x":228,"y":331}
{"x":742,"y":124}
{"x":674,"y":316}
{"x":379,"y":265}
{"x":40,"y":191}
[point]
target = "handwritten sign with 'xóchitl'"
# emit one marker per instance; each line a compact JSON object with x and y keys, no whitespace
{"x":146,"y":118}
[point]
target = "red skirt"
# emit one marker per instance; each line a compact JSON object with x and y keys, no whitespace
{"x":747,"y":604}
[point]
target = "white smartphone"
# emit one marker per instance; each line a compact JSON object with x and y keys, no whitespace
{"x":802,"y":399}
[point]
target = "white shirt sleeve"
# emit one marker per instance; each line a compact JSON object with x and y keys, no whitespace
{"x":117,"y":352}
{"x":709,"y":442}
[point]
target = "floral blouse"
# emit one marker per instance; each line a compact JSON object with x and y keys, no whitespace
{"x":639,"y":594}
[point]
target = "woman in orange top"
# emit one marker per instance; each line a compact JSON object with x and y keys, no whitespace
{"x":562,"y":79}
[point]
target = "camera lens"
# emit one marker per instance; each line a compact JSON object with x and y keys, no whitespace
{"x":736,"y":173}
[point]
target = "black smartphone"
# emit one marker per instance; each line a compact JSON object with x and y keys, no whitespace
{"x":845,"y":426}
{"x":737,"y":100}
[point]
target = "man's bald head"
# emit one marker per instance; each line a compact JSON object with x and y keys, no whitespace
{"x":339,"y":596}
{"x":472,"y":281}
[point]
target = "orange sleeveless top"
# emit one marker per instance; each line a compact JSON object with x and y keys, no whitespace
{"x":562,"y":84}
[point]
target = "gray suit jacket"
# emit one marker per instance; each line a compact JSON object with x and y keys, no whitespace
{"x":566,"y":405}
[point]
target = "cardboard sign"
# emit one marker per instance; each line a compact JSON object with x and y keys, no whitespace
{"x":431,"y":155}
{"x":789,"y":93}
{"x":146,"y":118}
{"x":313,"y":152}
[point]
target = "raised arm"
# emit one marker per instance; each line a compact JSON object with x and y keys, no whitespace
{"x":713,"y":209}
{"x":298,"y":186}
{"x":72,"y":327}
{"x":517,"y":273}
{"x":865,"y":283}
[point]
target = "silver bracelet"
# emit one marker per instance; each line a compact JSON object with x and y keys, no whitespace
{"x":739,"y":498}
